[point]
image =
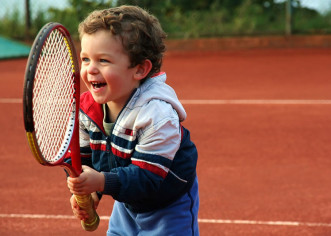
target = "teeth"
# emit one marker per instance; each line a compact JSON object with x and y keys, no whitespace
{"x":97,"y":84}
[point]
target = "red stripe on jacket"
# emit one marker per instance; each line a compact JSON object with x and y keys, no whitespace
{"x":115,"y":151}
{"x":98,"y":146}
{"x":120,"y":154}
{"x":154,"y":169}
{"x":129,"y":132}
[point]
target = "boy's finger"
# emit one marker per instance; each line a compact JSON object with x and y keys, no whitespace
{"x":74,"y":180}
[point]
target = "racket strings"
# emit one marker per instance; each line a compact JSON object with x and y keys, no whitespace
{"x":53,"y":97}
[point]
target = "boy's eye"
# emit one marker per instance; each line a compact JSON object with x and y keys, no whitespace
{"x":104,"y":60}
{"x":85,"y":59}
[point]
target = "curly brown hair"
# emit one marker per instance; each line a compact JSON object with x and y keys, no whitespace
{"x":141,"y":33}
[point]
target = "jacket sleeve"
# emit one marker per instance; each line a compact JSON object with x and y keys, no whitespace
{"x":158,"y":139}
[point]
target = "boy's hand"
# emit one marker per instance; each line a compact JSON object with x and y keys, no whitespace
{"x":81,"y":214}
{"x":88,"y":182}
{"x":96,"y":200}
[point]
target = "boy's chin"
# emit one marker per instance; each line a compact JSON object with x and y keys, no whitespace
{"x":98,"y":99}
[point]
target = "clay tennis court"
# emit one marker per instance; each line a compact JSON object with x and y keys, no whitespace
{"x":261,"y":120}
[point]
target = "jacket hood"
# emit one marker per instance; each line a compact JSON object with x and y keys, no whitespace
{"x":156,"y":88}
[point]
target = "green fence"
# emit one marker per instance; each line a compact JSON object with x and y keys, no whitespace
{"x":21,"y":19}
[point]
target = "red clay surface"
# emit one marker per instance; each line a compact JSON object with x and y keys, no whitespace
{"x":257,"y":162}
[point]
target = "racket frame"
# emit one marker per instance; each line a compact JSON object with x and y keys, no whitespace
{"x":72,"y":137}
{"x":85,"y":202}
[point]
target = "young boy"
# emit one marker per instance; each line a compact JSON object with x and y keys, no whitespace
{"x":133,"y":146}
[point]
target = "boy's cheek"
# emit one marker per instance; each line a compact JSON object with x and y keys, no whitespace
{"x":83,"y":77}
{"x":82,"y":72}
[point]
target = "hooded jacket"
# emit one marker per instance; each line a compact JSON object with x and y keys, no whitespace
{"x":148,"y":160}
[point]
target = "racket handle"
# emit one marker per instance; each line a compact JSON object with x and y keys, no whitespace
{"x":85,"y":203}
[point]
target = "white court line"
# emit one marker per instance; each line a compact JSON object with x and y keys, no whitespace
{"x":223,"y":102}
{"x":43,"y":216}
{"x":275,"y":223}
{"x":256,"y":102}
{"x":212,"y":221}
{"x":10,"y":100}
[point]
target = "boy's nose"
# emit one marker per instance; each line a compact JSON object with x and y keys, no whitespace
{"x":92,"y":68}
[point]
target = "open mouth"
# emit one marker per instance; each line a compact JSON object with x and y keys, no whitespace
{"x":97,"y":85}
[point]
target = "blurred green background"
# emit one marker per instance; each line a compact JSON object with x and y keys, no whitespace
{"x":181,"y":19}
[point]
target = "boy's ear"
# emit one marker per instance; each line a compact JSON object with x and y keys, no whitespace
{"x":143,"y":69}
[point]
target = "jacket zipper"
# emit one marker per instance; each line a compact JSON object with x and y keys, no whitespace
{"x":108,"y":145}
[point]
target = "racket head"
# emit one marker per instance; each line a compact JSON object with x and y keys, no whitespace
{"x":51,"y":95}
{"x":51,"y":105}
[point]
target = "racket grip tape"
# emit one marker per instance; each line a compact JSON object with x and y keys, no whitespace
{"x":85,"y":203}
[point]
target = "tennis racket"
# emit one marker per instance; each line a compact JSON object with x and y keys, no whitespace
{"x":51,"y":106}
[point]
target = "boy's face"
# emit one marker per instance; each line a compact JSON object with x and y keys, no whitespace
{"x":105,"y":68}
